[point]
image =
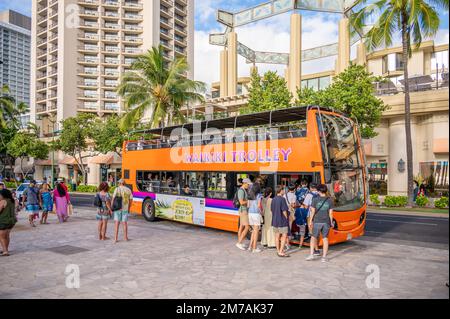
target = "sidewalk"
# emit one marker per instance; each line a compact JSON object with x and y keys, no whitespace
{"x":173,"y":260}
{"x":387,"y":211}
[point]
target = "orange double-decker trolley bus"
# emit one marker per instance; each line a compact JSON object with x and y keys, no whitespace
{"x":190,"y":173}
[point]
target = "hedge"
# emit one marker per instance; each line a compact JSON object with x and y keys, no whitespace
{"x":422,"y":201}
{"x":441,"y":202}
{"x":87,"y":188}
{"x":375,"y":199}
{"x":395,"y":201}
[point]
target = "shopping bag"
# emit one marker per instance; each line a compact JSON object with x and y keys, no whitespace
{"x":70,"y":209}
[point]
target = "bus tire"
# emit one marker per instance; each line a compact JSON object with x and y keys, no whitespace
{"x":149,"y":210}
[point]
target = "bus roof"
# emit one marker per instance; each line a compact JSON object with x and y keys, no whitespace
{"x":291,"y":114}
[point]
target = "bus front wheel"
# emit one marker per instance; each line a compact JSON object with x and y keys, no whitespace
{"x":149,"y":210}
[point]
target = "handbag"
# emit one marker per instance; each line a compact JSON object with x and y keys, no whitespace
{"x":70,"y":209}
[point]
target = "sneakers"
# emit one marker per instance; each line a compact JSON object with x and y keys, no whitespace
{"x":241,"y":246}
{"x":316,"y":252}
{"x":324,"y":259}
{"x":257,"y":250}
{"x":310,"y":257}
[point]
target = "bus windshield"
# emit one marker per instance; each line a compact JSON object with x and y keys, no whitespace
{"x":342,"y":158}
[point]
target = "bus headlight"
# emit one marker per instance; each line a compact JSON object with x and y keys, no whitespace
{"x":362,"y":218}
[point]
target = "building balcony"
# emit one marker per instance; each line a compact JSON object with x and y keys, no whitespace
{"x":111,"y":4}
{"x":111,"y":61}
{"x":89,"y":3}
{"x":52,"y":49}
{"x":111,"y":26}
{"x":52,"y":26}
{"x":131,"y":28}
{"x":165,"y":12}
{"x":87,"y":84}
{"x":112,"y":16}
{"x":89,"y":26}
{"x":132,"y":40}
{"x":111,"y":49}
{"x":89,"y":61}
{"x":87,"y":96}
{"x":110,"y":84}
{"x":89,"y":13}
{"x":131,"y":51}
{"x":88,"y":73}
{"x":51,"y":3}
{"x":180,"y":31}
{"x":132,"y":5}
{"x":132,"y":17}
{"x":181,"y":10}
{"x":82,"y":48}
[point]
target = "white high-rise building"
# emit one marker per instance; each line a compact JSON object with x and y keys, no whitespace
{"x":80,"y":48}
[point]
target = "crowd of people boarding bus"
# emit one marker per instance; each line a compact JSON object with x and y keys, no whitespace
{"x":307,"y":206}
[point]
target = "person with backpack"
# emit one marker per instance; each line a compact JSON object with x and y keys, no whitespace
{"x":291,"y":200}
{"x":305,"y":213}
{"x":322,"y":221}
{"x":30,"y":198}
{"x":255,"y":219}
{"x":8,"y":220}
{"x":241,"y":202}
{"x":103,"y":203}
{"x":121,"y":203}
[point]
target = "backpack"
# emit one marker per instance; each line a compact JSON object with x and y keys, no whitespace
{"x":236,"y":202}
{"x":301,"y":194}
{"x":98,"y":201}
{"x":117,"y":203}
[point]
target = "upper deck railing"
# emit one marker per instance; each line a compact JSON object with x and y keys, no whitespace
{"x":263,"y":126}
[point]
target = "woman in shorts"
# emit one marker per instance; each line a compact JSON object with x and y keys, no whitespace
{"x":104,"y":212}
{"x":46,"y":202}
{"x":255,"y":219}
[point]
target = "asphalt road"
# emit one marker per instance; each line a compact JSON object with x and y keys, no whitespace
{"x":420,"y":231}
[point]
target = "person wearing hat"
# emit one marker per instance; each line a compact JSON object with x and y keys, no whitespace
{"x":121,"y":214}
{"x":244,"y":225}
{"x":30,"y":197}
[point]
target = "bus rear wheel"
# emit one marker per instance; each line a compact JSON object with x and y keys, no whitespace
{"x":149,"y":210}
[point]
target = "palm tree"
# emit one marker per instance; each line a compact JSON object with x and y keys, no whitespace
{"x":414,"y":20}
{"x":9,"y":109}
{"x":162,"y":88}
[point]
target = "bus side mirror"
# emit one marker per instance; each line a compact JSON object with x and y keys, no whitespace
{"x":327,"y":176}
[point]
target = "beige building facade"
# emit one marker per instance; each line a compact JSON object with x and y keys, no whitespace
{"x":386,"y":153}
{"x":80,"y":49}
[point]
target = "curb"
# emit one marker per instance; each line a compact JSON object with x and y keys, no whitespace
{"x":407,"y":213}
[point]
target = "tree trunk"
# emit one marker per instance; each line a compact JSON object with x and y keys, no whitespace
{"x":409,"y":150}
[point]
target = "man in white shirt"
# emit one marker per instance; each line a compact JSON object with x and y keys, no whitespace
{"x":121,"y":215}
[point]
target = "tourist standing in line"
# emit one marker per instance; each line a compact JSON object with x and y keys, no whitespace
{"x":280,"y":221}
{"x":322,"y":218}
{"x":306,"y":208}
{"x":30,"y":197}
{"x":121,"y":215}
{"x":255,"y":219}
{"x":291,"y":200}
{"x":243,"y":213}
{"x":7,"y":219}
{"x":268,"y":235}
{"x":61,"y":199}
{"x":46,"y":198}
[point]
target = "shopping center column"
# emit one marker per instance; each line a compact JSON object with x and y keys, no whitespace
{"x":343,"y":60}
{"x":224,"y":73}
{"x":361,"y":54}
{"x":295,"y":56}
{"x":232,"y":63}
{"x":397,"y":174}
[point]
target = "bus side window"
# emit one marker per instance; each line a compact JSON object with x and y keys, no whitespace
{"x":170,"y":183}
{"x":217,"y":185}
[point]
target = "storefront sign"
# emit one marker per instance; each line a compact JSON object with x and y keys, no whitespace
{"x":189,"y":210}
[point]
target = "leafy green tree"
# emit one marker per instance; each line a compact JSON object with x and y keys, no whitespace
{"x":26,"y":145}
{"x":10,"y":124}
{"x":352,"y":93}
{"x":76,"y":138}
{"x":268,"y":92}
{"x":157,"y":86}
{"x":415,"y":20}
{"x":109,"y":136}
